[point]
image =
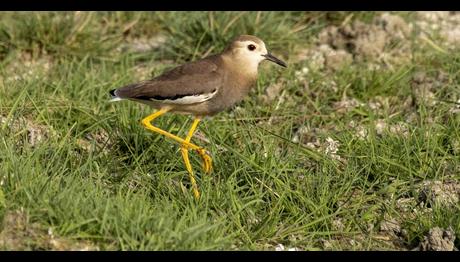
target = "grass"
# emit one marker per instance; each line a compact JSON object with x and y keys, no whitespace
{"x":98,"y":176}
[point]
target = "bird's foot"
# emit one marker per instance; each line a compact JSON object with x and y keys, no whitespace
{"x":207,"y":160}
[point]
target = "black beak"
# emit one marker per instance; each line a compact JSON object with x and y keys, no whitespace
{"x":275,"y":60}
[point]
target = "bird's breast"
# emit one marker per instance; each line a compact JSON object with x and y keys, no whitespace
{"x":233,"y":91}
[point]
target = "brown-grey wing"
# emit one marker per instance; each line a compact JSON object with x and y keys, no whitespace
{"x":187,"y":84}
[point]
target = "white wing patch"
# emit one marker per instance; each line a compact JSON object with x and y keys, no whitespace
{"x":115,"y":99}
{"x":187,"y":100}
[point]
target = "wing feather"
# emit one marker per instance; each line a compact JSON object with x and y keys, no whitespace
{"x":190,"y":83}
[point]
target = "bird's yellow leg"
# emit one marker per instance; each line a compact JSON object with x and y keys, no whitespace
{"x":186,"y":145}
{"x":184,"y":151}
{"x":207,"y":160}
{"x":147,"y":124}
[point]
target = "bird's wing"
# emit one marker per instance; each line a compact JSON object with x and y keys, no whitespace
{"x":190,"y":83}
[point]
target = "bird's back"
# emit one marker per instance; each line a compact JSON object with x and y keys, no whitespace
{"x":194,"y":78}
{"x":202,"y":87}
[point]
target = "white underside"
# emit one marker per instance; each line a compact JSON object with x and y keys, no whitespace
{"x":115,"y":99}
{"x":187,"y":100}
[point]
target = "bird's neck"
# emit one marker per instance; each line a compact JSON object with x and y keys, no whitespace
{"x":241,"y":67}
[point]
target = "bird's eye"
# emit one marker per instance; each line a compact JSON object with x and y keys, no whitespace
{"x":251,"y":47}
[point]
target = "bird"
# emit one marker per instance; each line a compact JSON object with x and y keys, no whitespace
{"x":200,"y":88}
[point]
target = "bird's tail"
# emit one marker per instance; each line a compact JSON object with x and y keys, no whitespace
{"x":114,"y":96}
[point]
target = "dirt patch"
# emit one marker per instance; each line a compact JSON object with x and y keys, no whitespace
{"x":388,"y":104}
{"x":307,"y":136}
{"x":337,"y":224}
{"x":30,"y":132}
{"x":424,"y":86}
{"x":301,"y":75}
{"x":98,"y":140}
{"x":381,"y":128}
{"x":361,"y":132}
{"x":386,"y":235}
{"x":62,"y":244}
{"x":331,"y":147}
{"x":25,"y":67}
{"x":455,"y":109}
{"x":445,"y":193}
{"x":438,"y":239}
{"x":144,"y":70}
{"x":379,"y":105}
{"x":384,"y":41}
{"x":324,"y":56}
{"x":311,"y":137}
{"x":407,"y":206}
{"x":303,"y":81}
{"x":344,"y":243}
{"x":140,"y":45}
{"x":346,"y":104}
{"x":281,"y":247}
{"x":442,"y":23}
{"x":398,"y":129}
{"x":18,"y":233}
{"x":148,"y":70}
{"x":272,"y":92}
{"x":390,"y":226}
{"x":391,"y":231}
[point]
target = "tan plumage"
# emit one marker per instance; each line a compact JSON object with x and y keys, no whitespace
{"x":224,"y":79}
{"x":201,"y":88}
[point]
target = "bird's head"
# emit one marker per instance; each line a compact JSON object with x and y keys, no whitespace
{"x":250,"y":51}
